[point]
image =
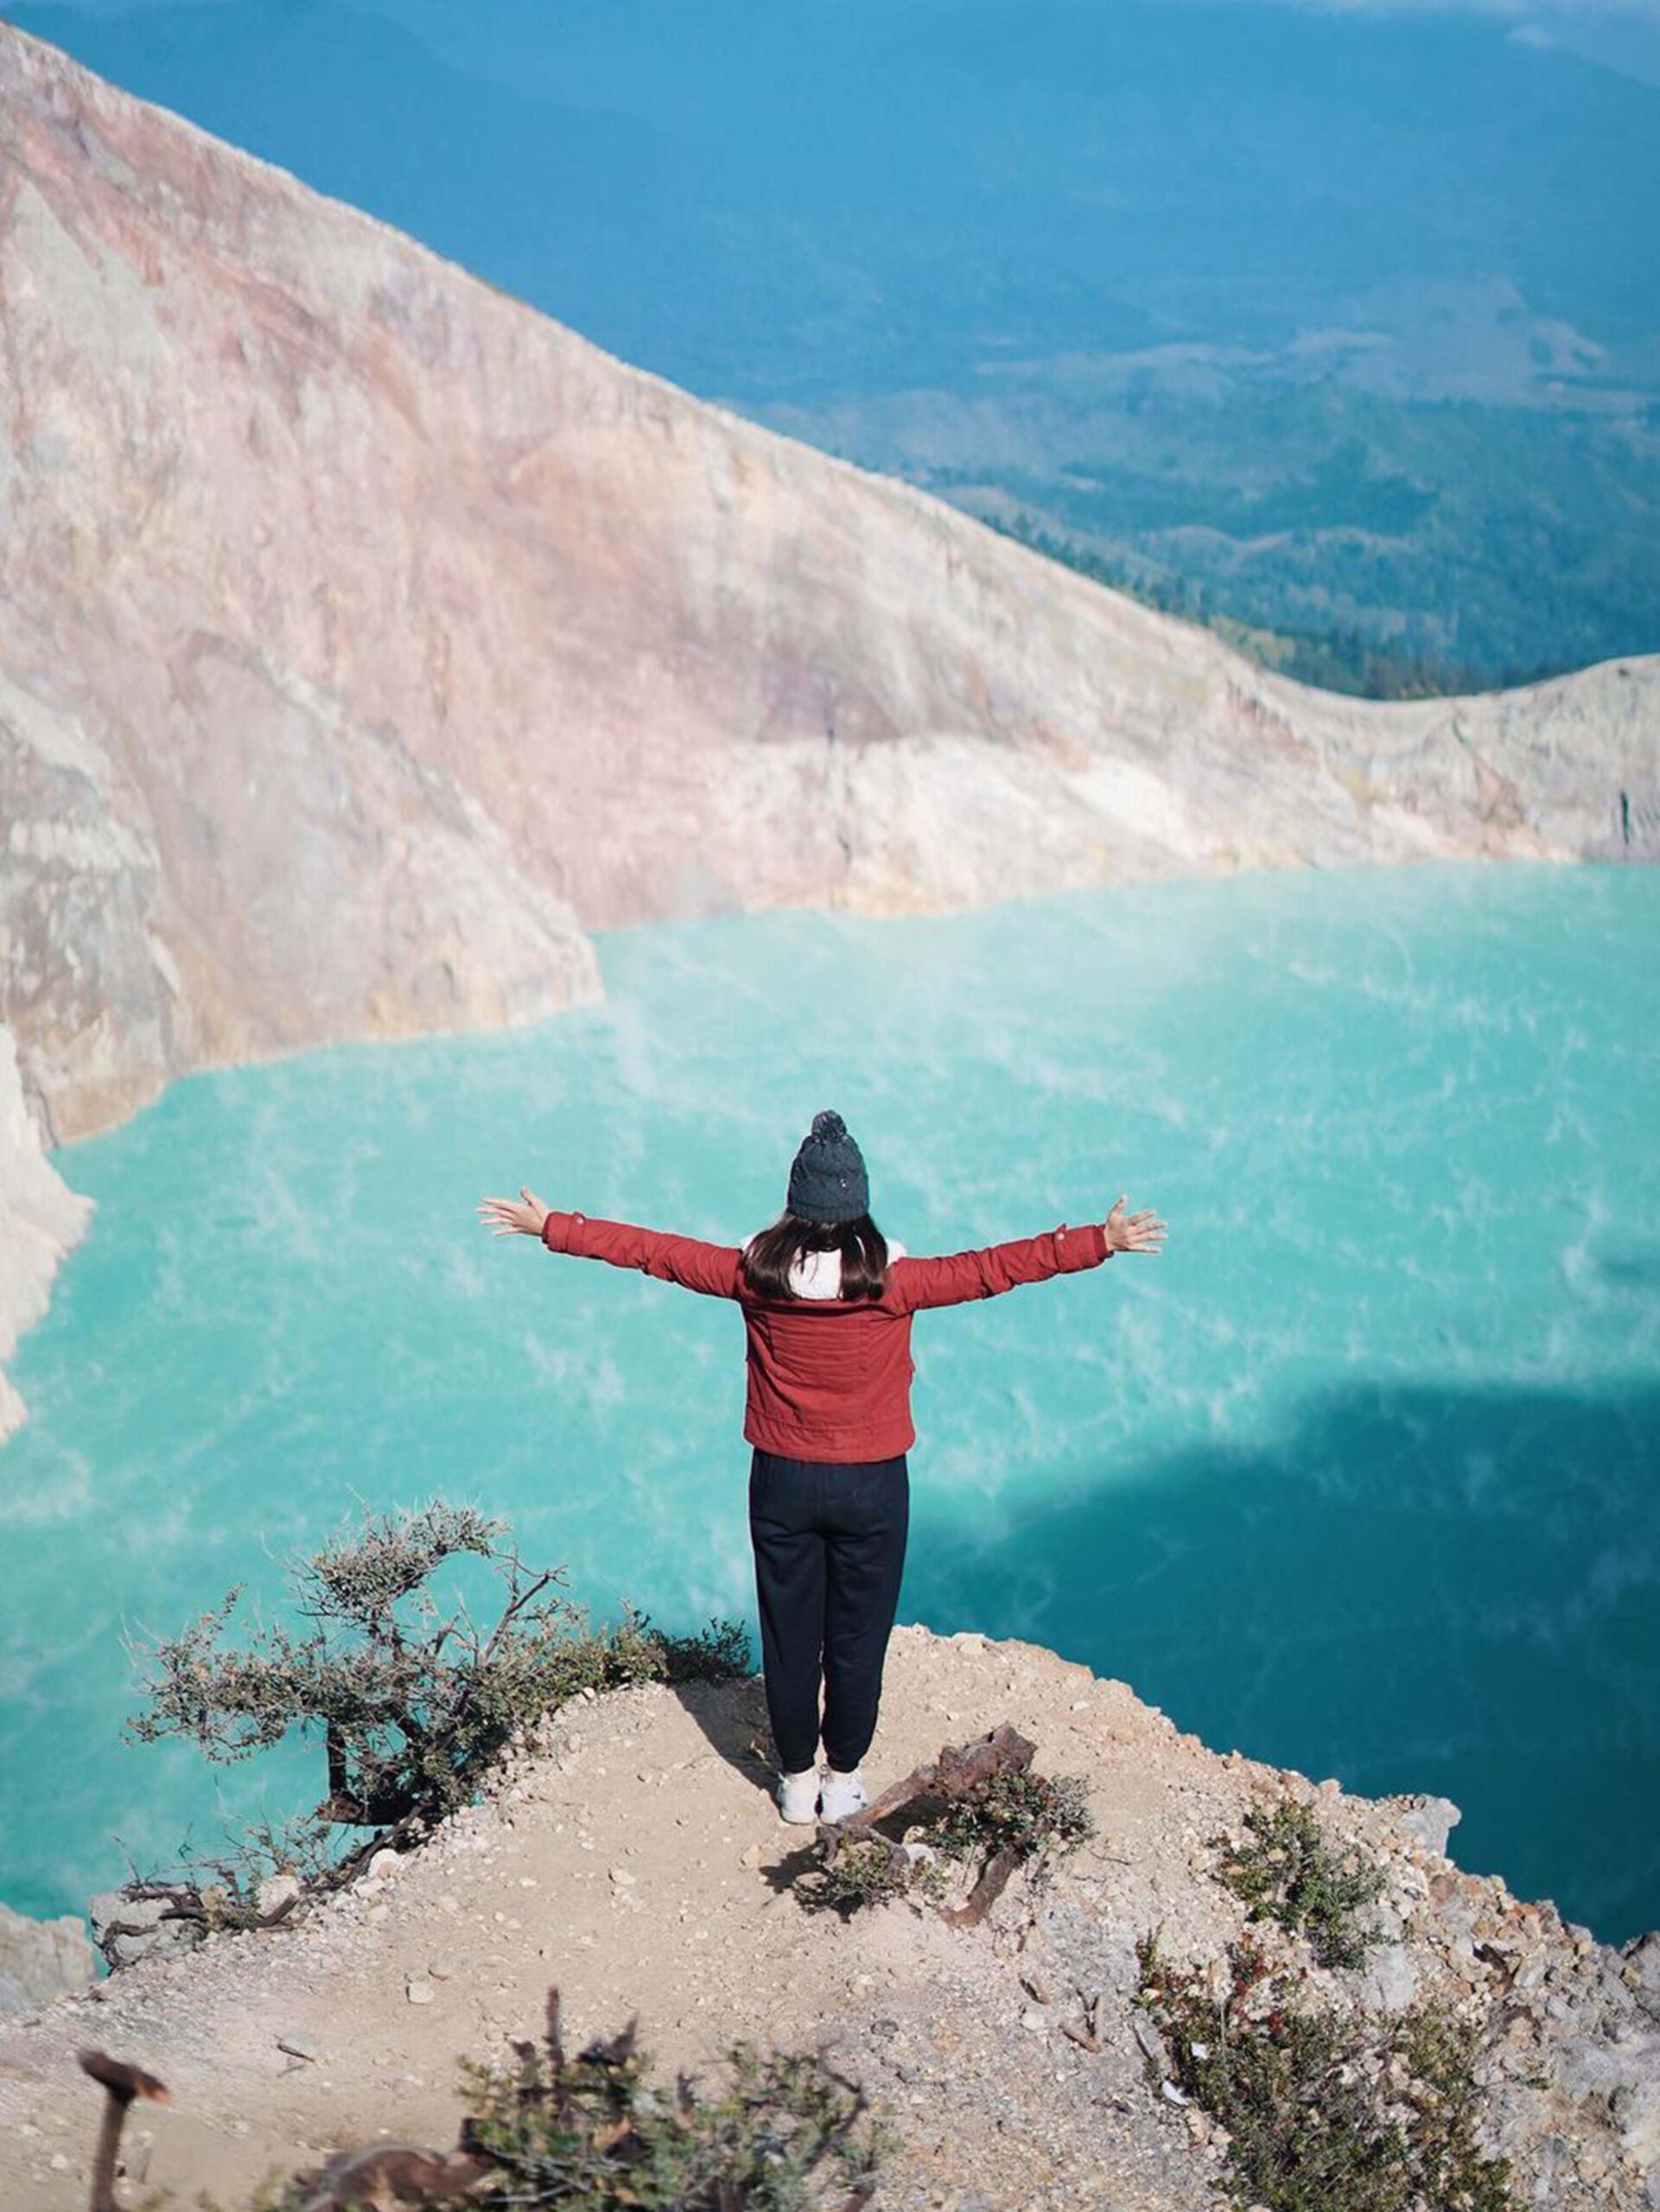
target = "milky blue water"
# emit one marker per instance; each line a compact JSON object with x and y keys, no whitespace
{"x":1360,"y":1476}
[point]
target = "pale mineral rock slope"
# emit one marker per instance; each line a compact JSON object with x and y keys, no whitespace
{"x":40,"y":1218}
{"x":634,"y":1857}
{"x":366,"y":636}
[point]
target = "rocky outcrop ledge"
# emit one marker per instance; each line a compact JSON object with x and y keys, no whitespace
{"x":39,"y":1960}
{"x":633,"y":1857}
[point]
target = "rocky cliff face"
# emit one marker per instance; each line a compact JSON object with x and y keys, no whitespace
{"x":40,"y":1219}
{"x":363,"y":635}
{"x":40,"y":1959}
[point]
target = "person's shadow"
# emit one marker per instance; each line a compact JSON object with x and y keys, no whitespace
{"x":732,"y":1716}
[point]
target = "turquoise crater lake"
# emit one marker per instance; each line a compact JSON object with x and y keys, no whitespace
{"x":1360,"y":1476}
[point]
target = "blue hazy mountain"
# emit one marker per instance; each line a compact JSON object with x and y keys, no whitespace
{"x":1335,"y":325}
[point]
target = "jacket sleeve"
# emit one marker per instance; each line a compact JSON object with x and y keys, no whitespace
{"x":961,"y":1275}
{"x":710,"y":1268}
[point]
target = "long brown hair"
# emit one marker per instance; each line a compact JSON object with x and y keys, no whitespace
{"x":767,"y":1260}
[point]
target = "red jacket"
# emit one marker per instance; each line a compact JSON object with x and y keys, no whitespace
{"x":829,"y":1381}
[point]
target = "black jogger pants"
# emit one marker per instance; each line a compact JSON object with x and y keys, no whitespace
{"x":830,"y":1551}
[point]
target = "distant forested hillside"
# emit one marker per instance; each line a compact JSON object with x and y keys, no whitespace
{"x":1340,"y":331}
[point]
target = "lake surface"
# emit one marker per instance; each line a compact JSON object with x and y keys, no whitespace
{"x":1360,"y":1476}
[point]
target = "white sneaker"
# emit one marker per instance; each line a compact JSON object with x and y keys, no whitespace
{"x":798,"y":1797}
{"x":844,"y":1794}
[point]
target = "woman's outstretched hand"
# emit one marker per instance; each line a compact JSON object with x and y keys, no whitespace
{"x":520,"y":1217}
{"x":1134,"y":1232}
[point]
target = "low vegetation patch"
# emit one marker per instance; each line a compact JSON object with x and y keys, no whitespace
{"x":413,"y":1699}
{"x":1322,"y":2112}
{"x":871,"y":1873}
{"x":985,"y":1804}
{"x":1288,"y":1872}
{"x":592,"y":2133}
{"x":785,"y":2132}
{"x":1015,"y":1811}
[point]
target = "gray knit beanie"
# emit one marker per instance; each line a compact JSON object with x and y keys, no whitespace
{"x":827,"y":1178}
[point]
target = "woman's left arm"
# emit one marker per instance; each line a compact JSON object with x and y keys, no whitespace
{"x":712,"y":1269}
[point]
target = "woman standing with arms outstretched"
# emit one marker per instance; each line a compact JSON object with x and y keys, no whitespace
{"x":827,"y":1304}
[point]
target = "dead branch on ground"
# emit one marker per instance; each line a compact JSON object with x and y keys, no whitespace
{"x":954,"y":1776}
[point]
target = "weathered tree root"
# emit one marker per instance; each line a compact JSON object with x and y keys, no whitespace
{"x":992,"y":1881}
{"x":121,"y":2083}
{"x":956,"y":1774}
{"x":393,"y":2174}
{"x":188,"y":1901}
{"x":184,"y":1900}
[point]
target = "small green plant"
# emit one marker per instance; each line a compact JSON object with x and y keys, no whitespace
{"x":1289,"y":1873}
{"x":1002,"y":1817}
{"x":1018,"y":1812}
{"x":1323,"y":2112}
{"x":590,"y":2132}
{"x":1439,"y":2052}
{"x":870,"y":1874}
{"x":414,"y":1700}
